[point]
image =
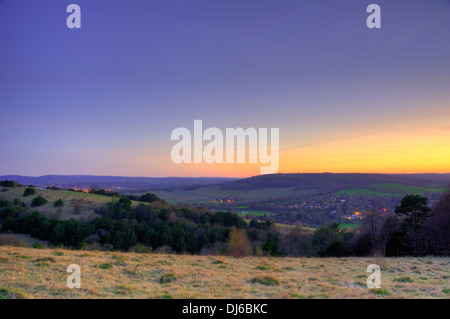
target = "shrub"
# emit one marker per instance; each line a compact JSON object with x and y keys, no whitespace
{"x":166,"y":278}
{"x":17,"y":202}
{"x":105,"y":266}
{"x":4,"y":203}
{"x":12,"y":240}
{"x":403,"y":279}
{"x":261,"y":268}
{"x":108,"y":247}
{"x":269,"y":247}
{"x":29,"y":191}
{"x":59,"y":203}
{"x":266,"y":281}
{"x":38,"y":201}
{"x":141,"y":249}
{"x":37,"y":245}
{"x":337,"y":248}
{"x":9,"y":294}
{"x":92,"y":238}
{"x":120,"y":261}
{"x":92,"y":247}
{"x":164,"y":250}
{"x":288,"y":268}
{"x":125,"y":201}
{"x":46,"y":259}
{"x":239,"y":244}
{"x":379,"y":291}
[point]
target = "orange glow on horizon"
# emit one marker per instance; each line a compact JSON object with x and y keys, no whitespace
{"x":420,"y":145}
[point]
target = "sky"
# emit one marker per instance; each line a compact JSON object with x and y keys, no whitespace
{"x":105,"y":98}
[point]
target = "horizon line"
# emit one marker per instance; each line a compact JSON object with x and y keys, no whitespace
{"x":225,"y":177}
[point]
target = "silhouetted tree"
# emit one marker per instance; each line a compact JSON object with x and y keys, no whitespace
{"x":416,"y":211}
{"x":435,"y":235}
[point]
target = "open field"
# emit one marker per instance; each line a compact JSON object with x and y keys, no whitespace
{"x":406,"y":189}
{"x":256,"y":213}
{"x":205,"y":194}
{"x":41,"y":273}
{"x":363,"y":191}
{"x":76,"y":204}
{"x":348,"y":225}
{"x":390,"y":189}
{"x":285,"y":226}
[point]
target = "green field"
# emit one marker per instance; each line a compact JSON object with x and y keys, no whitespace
{"x":390,"y":189}
{"x":405,"y":189}
{"x":256,"y":213}
{"x":363,"y":191}
{"x":348,"y":225}
{"x":205,"y":194}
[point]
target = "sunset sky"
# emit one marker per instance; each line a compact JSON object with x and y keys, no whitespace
{"x":104,"y":99}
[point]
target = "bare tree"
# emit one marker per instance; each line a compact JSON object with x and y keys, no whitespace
{"x":239,"y":244}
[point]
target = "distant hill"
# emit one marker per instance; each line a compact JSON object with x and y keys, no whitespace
{"x":330,"y":182}
{"x":282,"y":186}
{"x":69,"y":181}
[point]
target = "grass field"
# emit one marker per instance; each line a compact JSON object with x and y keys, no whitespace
{"x":41,"y":273}
{"x":390,"y":189}
{"x":256,"y":213}
{"x":363,"y":191}
{"x":76,"y":204}
{"x":205,"y":194}
{"x":405,"y":189}
{"x":348,"y":225}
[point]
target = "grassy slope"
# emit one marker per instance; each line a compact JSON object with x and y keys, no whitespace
{"x":34,"y":273}
{"x":207,"y":193}
{"x":87,"y":202}
{"x":390,"y":189}
{"x":405,"y":189}
{"x":363,"y":191}
{"x":348,"y":225}
{"x":256,"y":213}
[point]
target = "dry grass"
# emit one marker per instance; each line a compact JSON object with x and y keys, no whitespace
{"x":41,"y":273}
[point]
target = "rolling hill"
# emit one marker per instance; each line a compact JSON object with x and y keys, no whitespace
{"x":69,"y":181}
{"x":76,"y":204}
{"x":330,"y":182}
{"x":279,"y":186}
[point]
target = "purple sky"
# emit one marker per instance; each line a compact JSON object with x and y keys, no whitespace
{"x":105,"y":98}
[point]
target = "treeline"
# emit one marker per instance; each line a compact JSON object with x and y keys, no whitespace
{"x":122,"y":227}
{"x":7,"y":183}
{"x":414,"y":229}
